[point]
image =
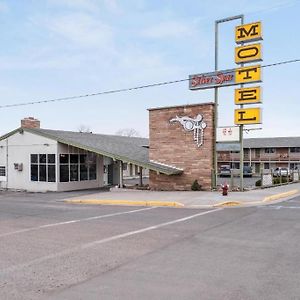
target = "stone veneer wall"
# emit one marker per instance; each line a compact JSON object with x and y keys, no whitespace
{"x":170,"y":144}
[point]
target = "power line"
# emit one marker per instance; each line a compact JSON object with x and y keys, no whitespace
{"x":127,"y":89}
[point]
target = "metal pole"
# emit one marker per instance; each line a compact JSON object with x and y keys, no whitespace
{"x":242,"y":139}
{"x":215,"y":153}
{"x":121,"y":174}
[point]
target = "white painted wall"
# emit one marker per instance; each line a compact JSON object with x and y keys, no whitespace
{"x":17,"y":149}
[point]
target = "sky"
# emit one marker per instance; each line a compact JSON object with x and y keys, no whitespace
{"x":60,"y":48}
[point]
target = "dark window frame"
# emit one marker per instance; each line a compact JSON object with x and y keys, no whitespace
{"x":294,"y":149}
{"x":85,"y":165}
{"x":3,"y":171}
{"x":38,"y":162}
{"x":270,"y":150}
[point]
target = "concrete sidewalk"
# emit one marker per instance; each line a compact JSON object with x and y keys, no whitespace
{"x":189,"y":199}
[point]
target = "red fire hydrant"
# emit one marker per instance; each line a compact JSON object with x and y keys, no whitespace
{"x":225,"y":188}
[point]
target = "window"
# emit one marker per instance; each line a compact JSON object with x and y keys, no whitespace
{"x":2,"y":171}
{"x":266,"y":166}
{"x":92,"y":166}
{"x":64,"y":173}
{"x":83,"y":172}
{"x":74,"y":172}
{"x":42,"y":167}
{"x":51,"y":173}
{"x":295,"y":149}
{"x":270,"y":150}
{"x":51,"y":158}
{"x":77,"y":167}
{"x":42,"y":172}
{"x":64,"y":168}
{"x":92,"y":172}
{"x":83,"y":167}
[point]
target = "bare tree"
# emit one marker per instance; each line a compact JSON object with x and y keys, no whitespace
{"x":130,"y":132}
{"x":84,"y":128}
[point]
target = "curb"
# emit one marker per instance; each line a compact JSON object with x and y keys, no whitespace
{"x":279,"y":196}
{"x":228,"y":203}
{"x":125,"y":202}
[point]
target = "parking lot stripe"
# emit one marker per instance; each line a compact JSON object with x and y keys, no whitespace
{"x":103,"y":241}
{"x":74,"y":221}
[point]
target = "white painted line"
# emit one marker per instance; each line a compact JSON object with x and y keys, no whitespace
{"x":73,"y":221}
{"x":103,"y":241}
{"x":280,"y":206}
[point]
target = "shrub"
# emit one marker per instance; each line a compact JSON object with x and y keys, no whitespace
{"x":283,"y":180}
{"x":258,"y":182}
{"x":196,"y":186}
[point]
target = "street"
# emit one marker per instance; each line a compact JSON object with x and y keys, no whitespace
{"x":54,"y":250}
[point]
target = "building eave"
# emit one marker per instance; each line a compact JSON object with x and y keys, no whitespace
{"x":150,"y":165}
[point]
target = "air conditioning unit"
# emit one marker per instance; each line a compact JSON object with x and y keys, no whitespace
{"x":18,"y":166}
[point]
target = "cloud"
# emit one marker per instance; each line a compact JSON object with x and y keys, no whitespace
{"x":3,"y":7}
{"x":40,"y":60}
{"x":86,"y":5}
{"x":82,"y":29}
{"x":113,"y":6}
{"x":169,"y":29}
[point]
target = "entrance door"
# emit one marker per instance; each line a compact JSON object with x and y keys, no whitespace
{"x":110,"y":177}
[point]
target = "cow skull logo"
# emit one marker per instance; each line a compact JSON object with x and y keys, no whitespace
{"x":197,"y":125}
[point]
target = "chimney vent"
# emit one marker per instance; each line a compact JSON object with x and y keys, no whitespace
{"x":30,"y":122}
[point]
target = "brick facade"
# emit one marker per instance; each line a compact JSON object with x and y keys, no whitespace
{"x":170,"y":144}
{"x":30,"y":122}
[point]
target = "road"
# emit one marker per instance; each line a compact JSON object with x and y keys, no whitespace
{"x":53,"y":250}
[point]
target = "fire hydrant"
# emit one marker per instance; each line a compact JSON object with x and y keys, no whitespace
{"x":225,"y":188}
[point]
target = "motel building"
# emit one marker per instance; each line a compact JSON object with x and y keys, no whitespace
{"x":179,"y":151}
{"x":263,"y":154}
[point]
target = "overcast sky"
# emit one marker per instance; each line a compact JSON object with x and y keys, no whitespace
{"x":59,"y":48}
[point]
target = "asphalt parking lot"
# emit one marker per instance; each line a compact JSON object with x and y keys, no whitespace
{"x":54,"y":250}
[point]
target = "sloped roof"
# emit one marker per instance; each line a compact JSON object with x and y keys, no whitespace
{"x":127,"y":149}
{"x":274,"y":142}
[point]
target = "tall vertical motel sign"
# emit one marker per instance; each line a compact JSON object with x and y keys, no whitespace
{"x":248,"y":53}
{"x":244,"y":54}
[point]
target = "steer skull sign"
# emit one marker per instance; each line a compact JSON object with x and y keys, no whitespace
{"x":189,"y":124}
